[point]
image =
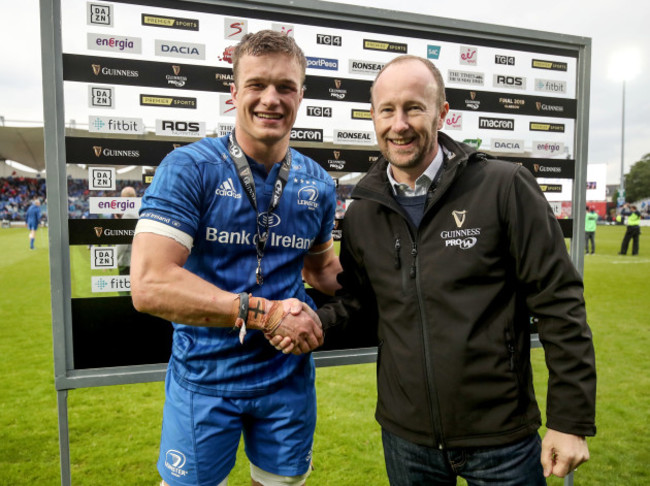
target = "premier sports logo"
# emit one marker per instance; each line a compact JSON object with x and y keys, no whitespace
{"x":170,"y":22}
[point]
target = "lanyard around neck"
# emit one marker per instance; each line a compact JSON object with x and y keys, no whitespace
{"x":246,"y":178}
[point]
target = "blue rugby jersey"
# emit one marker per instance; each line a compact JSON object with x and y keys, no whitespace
{"x":196,"y":189}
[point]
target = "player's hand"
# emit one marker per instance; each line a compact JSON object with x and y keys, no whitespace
{"x":562,"y":453}
{"x":300,"y":330}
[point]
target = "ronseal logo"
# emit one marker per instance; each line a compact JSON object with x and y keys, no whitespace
{"x":354,"y":137}
{"x":365,"y":67}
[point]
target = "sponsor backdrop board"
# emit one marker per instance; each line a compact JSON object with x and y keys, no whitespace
{"x":126,"y":82}
{"x":136,"y":80}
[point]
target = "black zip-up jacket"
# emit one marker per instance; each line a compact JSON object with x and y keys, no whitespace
{"x":452,"y":300}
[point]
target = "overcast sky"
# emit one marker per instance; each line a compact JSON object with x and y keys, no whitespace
{"x":614,"y":28}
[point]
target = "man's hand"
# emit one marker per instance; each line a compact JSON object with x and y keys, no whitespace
{"x":299,"y":331}
{"x":562,"y":453}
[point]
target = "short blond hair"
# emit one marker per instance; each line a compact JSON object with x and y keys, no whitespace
{"x":268,"y":42}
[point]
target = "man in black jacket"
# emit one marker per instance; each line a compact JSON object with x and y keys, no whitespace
{"x":447,"y":255}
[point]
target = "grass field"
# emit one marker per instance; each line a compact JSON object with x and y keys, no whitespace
{"x":114,"y":431}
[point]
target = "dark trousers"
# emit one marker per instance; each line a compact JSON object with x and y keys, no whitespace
{"x":631,"y":233}
{"x":590,"y":236}
{"x":409,"y":464}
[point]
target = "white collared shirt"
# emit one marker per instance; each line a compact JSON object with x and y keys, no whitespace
{"x":422,"y":183}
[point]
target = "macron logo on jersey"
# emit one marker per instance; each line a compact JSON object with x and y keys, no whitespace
{"x":227,"y":189}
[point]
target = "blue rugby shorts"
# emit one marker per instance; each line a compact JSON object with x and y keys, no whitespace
{"x":201,"y":433}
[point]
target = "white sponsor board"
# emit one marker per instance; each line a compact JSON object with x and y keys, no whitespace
{"x":114,"y":205}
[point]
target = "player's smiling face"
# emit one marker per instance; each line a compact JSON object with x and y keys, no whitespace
{"x":267,"y":97}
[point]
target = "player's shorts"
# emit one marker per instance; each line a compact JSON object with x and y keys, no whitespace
{"x":32,"y":226}
{"x":201,"y":433}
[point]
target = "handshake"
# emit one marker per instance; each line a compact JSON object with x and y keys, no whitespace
{"x":291,"y":326}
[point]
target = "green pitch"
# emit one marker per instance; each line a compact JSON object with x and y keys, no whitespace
{"x":114,"y":430}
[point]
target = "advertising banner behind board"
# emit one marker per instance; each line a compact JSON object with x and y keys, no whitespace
{"x":141,"y":80}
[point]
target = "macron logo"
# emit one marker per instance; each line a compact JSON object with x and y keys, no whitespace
{"x":227,"y":189}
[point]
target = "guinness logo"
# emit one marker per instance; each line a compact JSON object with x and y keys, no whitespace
{"x":337,"y":154}
{"x":538,"y":105}
{"x":337,"y":83}
{"x":472,"y":95}
{"x":536,"y":167}
{"x":98,"y":150}
{"x":459,"y":217}
{"x":177,"y":70}
{"x":176,"y":145}
{"x":98,"y":231}
{"x":96,"y":69}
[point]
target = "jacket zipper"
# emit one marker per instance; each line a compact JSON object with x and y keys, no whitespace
{"x":434,"y":409}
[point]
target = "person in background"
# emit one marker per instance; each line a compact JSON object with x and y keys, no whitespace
{"x":447,"y":255}
{"x":591,"y":220}
{"x":124,"y":251}
{"x":633,"y":229}
{"x":33,"y":219}
{"x":225,"y":230}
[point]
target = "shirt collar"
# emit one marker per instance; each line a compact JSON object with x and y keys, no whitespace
{"x":422,"y":183}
